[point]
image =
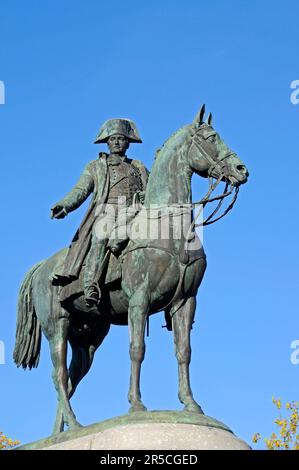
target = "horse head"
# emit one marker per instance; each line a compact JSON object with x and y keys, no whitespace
{"x":209,"y":156}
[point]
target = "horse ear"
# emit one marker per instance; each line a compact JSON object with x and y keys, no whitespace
{"x":209,"y":120}
{"x":199,"y":116}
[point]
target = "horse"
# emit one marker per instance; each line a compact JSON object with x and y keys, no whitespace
{"x":155,"y":276}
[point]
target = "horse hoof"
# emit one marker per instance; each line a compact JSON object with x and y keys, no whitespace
{"x":56,"y":432}
{"x":193,"y":408}
{"x":78,"y":426}
{"x":138,"y":407}
{"x":75,"y":425}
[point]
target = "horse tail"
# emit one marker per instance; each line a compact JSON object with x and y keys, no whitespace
{"x":28,"y":335}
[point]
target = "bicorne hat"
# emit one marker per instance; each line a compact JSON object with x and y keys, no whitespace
{"x":125,"y":127}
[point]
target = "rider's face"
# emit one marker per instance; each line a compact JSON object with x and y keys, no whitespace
{"x":118,"y":144}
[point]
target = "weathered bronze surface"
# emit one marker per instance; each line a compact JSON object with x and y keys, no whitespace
{"x":133,"y":275}
{"x":108,"y":178}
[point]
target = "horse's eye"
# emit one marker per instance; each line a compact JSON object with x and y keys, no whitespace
{"x":212,"y":138}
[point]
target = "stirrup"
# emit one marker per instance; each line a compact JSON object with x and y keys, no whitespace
{"x":92,"y":295}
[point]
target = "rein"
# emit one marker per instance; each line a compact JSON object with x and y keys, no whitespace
{"x":228,"y":190}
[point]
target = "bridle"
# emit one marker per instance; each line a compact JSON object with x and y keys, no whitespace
{"x":220,"y":165}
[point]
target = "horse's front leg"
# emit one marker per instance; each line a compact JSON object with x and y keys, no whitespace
{"x":58,"y":349}
{"x":182,"y":324}
{"x":137,"y":314}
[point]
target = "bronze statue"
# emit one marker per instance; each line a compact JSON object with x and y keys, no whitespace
{"x":150,"y":274}
{"x":109,"y":178}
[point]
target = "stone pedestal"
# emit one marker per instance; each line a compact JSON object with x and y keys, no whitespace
{"x":156,"y":430}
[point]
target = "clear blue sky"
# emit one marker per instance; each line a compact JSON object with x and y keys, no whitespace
{"x":70,"y":65}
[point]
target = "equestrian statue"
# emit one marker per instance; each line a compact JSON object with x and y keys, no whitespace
{"x":137,"y":252}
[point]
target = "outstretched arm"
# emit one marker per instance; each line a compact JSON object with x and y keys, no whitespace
{"x":75,"y":197}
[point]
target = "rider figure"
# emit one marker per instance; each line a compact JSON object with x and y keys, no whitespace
{"x":114,"y":180}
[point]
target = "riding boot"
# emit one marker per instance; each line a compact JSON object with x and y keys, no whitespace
{"x":92,"y":295}
{"x":93,"y":263}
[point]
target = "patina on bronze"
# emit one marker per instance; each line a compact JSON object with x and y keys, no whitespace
{"x":113,"y":177}
{"x":150,"y":275}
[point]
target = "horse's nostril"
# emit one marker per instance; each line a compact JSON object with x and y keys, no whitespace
{"x":241,"y":168}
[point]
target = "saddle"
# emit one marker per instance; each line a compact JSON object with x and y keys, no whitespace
{"x":75,"y":288}
{"x":187,"y":250}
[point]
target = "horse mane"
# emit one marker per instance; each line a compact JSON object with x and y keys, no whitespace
{"x":168,"y":141}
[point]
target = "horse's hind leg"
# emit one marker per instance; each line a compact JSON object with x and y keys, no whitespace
{"x":58,"y":349}
{"x":82,"y":358}
{"x":182,"y":324}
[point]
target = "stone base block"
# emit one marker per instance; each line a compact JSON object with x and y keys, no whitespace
{"x":156,"y":430}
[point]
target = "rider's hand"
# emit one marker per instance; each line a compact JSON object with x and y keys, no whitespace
{"x":141,"y":196}
{"x":58,"y":212}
